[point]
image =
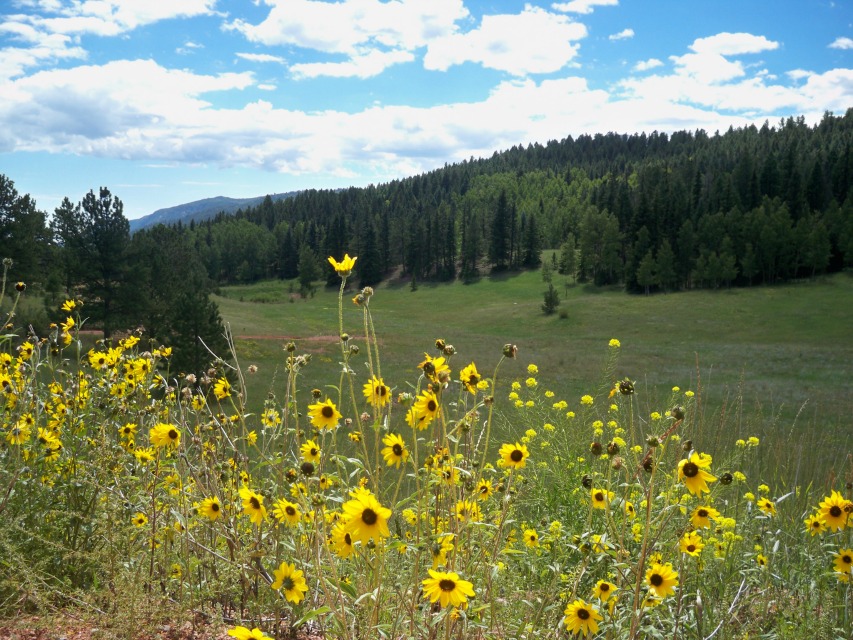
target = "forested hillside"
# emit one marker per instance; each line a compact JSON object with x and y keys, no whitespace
{"x":650,"y":211}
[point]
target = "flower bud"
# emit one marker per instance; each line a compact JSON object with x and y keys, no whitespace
{"x":510,"y":350}
{"x":595,"y":448}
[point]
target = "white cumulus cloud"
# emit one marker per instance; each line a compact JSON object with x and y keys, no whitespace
{"x":367,"y":65}
{"x":645,"y":65}
{"x":583,"y":6}
{"x":534,"y":41}
{"x":625,"y":34}
{"x":841,"y":43}
{"x":260,"y":57}
{"x":729,"y":44}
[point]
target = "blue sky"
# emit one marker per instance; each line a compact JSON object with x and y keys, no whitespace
{"x":166,"y":102}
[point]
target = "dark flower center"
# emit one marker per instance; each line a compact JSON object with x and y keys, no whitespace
{"x":288,"y":584}
{"x":256,"y":504}
{"x":348,"y":539}
{"x":397,"y":449}
{"x":314,"y":452}
{"x":290,"y":510}
{"x":173,"y":435}
{"x":846,"y":559}
{"x":691,"y":548}
{"x":431,"y":406}
{"x":327,"y":412}
{"x":516,"y":455}
{"x":583,"y":614}
{"x":369,"y":516}
{"x":605,"y":588}
{"x":447,"y":585}
{"x":656,"y":580}
{"x":702,"y":513}
{"x":690,"y":470}
{"x":382,"y":390}
{"x":599,"y":497}
{"x":214,"y":506}
{"x":835,"y":511}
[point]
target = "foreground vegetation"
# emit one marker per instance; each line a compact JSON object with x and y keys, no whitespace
{"x":483,"y":491}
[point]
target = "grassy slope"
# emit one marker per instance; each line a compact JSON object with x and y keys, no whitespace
{"x":782,"y":346}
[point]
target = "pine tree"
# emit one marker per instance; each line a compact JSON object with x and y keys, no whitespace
{"x":94,"y":236}
{"x":499,"y":245}
{"x":552,"y":300}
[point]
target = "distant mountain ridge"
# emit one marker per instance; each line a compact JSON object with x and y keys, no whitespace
{"x":200,"y":210}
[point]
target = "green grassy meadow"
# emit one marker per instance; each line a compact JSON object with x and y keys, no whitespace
{"x":773,"y":361}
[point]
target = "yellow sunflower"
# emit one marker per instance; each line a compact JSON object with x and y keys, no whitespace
{"x":341,"y":540}
{"x":365,"y":517}
{"x":484,"y":489}
{"x":691,"y":543}
{"x":815,"y":524}
{"x":440,"y":549}
{"x":531,"y":538}
{"x":447,"y":588}
{"x":702,"y":516}
{"x":287,"y":512}
{"x":844,"y":561}
{"x":210,"y":508}
{"x":468,"y":511}
{"x":292,"y":581}
{"x":324,"y":415}
{"x":767,"y":506}
{"x":692,"y":471}
{"x":470,"y":378}
{"x":435,"y":368}
{"x":164,"y":435}
{"x":424,"y":411}
{"x":222,"y":389}
{"x":661,"y":579}
{"x":835,"y":511}
{"x":513,"y":456}
{"x":395,"y":452}
{"x":344,"y":267}
{"x":242,"y":633}
{"x":581,"y":618}
{"x":253,"y":505}
{"x":601,"y":498}
{"x":378,"y":394}
{"x":604,"y":590}
{"x":310,"y":451}
{"x":139,"y":520}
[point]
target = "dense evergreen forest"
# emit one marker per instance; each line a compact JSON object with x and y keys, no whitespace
{"x":654,"y":212}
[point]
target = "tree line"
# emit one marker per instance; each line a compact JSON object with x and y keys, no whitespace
{"x":651,"y":212}
{"x":85,"y":252}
